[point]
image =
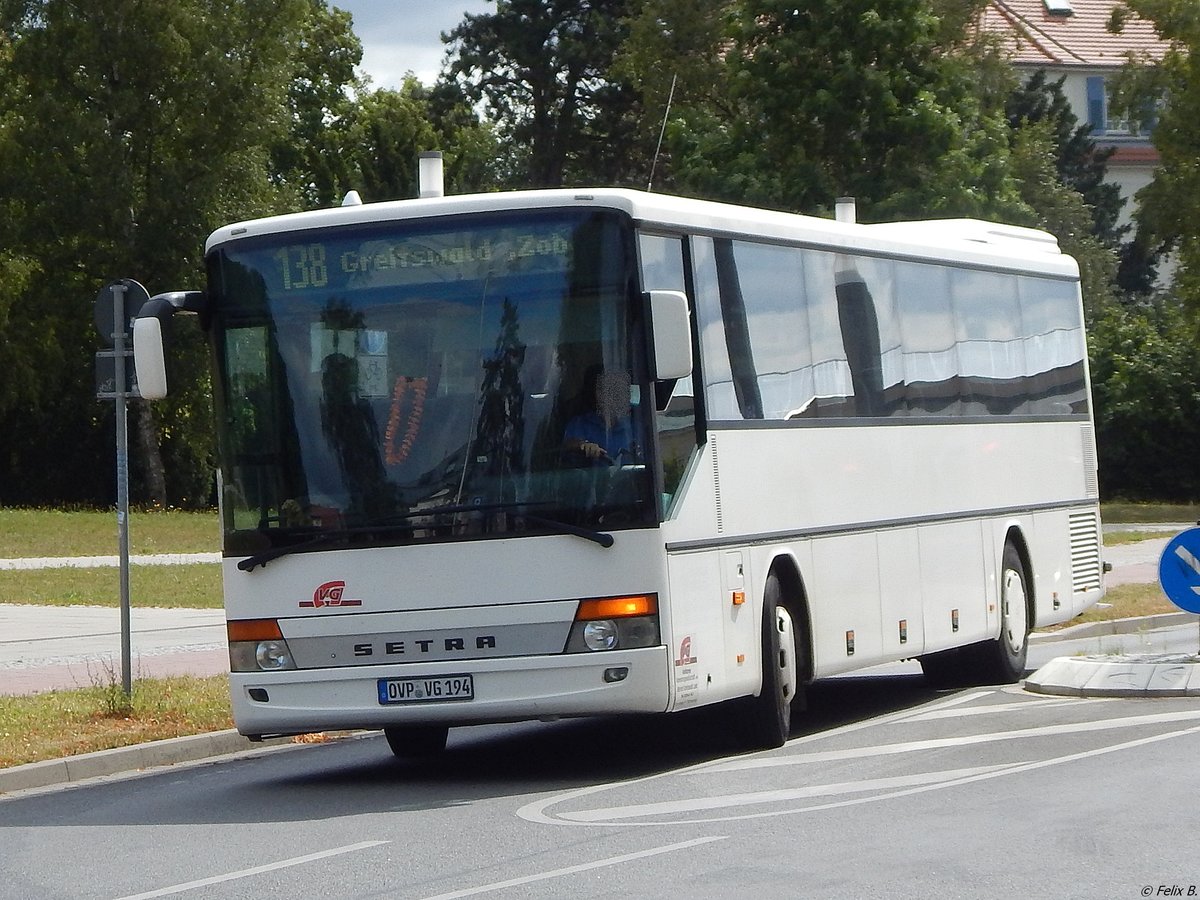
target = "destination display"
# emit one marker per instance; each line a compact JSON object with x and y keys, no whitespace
{"x":317,"y":265}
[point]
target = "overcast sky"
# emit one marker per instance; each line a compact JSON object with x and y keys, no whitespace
{"x":400,"y":36}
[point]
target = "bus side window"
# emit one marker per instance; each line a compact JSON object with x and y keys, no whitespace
{"x":662,"y":264}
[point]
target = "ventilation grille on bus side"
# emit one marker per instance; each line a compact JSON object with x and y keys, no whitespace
{"x":712,"y":444}
{"x":1085,"y":552}
{"x":1091,"y":480}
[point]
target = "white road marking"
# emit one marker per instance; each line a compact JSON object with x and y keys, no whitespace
{"x":902,"y":716}
{"x":796,"y":759}
{"x":1012,"y":770}
{"x":1032,"y":703}
{"x":779,"y":796}
{"x":572,"y":870}
{"x":537,"y":811}
{"x":534,"y":812}
{"x":257,"y":870}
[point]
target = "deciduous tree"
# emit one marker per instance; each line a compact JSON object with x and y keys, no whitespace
{"x":1168,"y":212}
{"x":544,"y":71}
{"x":816,"y":100}
{"x":129,"y":129}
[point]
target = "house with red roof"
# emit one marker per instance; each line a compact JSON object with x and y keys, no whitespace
{"x":1074,"y":40}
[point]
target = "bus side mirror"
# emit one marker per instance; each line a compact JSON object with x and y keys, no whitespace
{"x":672,"y":334}
{"x":149,"y":346}
{"x":149,"y":359}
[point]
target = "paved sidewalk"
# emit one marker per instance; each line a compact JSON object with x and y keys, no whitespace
{"x":52,"y":647}
{"x":1136,"y":563}
{"x":46,"y":648}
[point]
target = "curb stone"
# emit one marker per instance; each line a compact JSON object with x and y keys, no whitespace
{"x":1113,"y":626}
{"x":1139,"y":675}
{"x":127,"y":759}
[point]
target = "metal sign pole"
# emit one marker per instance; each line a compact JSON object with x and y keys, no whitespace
{"x":119,"y":361}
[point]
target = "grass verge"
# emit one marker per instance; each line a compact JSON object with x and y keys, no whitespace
{"x":55,"y":724}
{"x":1133,"y":537}
{"x":52,"y":532}
{"x":191,"y":586}
{"x":1123,"y":602}
{"x":1121,"y":513}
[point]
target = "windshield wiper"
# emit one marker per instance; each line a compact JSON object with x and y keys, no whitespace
{"x":600,"y":537}
{"x":250,"y":563}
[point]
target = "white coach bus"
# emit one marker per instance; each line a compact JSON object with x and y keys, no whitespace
{"x":570,"y":453}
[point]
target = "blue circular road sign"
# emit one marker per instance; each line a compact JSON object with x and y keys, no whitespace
{"x":1179,"y":570}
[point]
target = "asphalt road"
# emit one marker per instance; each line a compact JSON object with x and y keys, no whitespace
{"x":890,"y":789}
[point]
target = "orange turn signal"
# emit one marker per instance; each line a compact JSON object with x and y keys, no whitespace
{"x":617,"y":607}
{"x":254,"y":630}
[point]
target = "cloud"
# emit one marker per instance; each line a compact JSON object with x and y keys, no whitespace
{"x":405,"y":35}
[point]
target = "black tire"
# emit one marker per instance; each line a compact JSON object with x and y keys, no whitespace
{"x":767,"y":718}
{"x":1002,"y":661}
{"x":416,"y":741}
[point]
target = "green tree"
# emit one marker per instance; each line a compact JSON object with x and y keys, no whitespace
{"x":1168,"y":210}
{"x":390,"y":128}
{"x":1146,"y":388}
{"x":1064,"y":212}
{"x":311,"y":160}
{"x":674,"y":55}
{"x":544,"y":71}
{"x":880,"y":100}
{"x":128,"y":130}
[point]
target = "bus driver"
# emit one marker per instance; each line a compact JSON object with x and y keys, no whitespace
{"x":605,"y":433}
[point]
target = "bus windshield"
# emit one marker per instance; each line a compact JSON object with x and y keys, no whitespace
{"x":431,"y":380}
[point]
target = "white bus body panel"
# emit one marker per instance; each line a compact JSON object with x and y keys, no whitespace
{"x":756,"y":494}
{"x":427,"y":591}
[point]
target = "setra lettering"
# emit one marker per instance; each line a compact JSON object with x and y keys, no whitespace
{"x":425,"y":645}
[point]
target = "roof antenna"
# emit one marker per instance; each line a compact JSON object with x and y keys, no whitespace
{"x":662,"y":131}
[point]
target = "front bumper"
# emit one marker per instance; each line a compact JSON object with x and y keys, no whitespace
{"x":506,"y":690}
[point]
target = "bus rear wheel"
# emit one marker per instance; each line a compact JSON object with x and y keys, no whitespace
{"x":416,"y":741}
{"x":767,"y":718}
{"x":1003,"y":660}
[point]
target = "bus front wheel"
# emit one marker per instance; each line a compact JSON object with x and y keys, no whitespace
{"x":768,"y":716}
{"x":416,"y":741}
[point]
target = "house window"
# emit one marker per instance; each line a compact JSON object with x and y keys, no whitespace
{"x":1059,"y":7}
{"x":1104,"y":121}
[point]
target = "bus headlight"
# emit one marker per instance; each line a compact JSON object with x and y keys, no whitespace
{"x":601,"y":635}
{"x":273,"y":655}
{"x":615,"y":623}
{"x":257,"y":645}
